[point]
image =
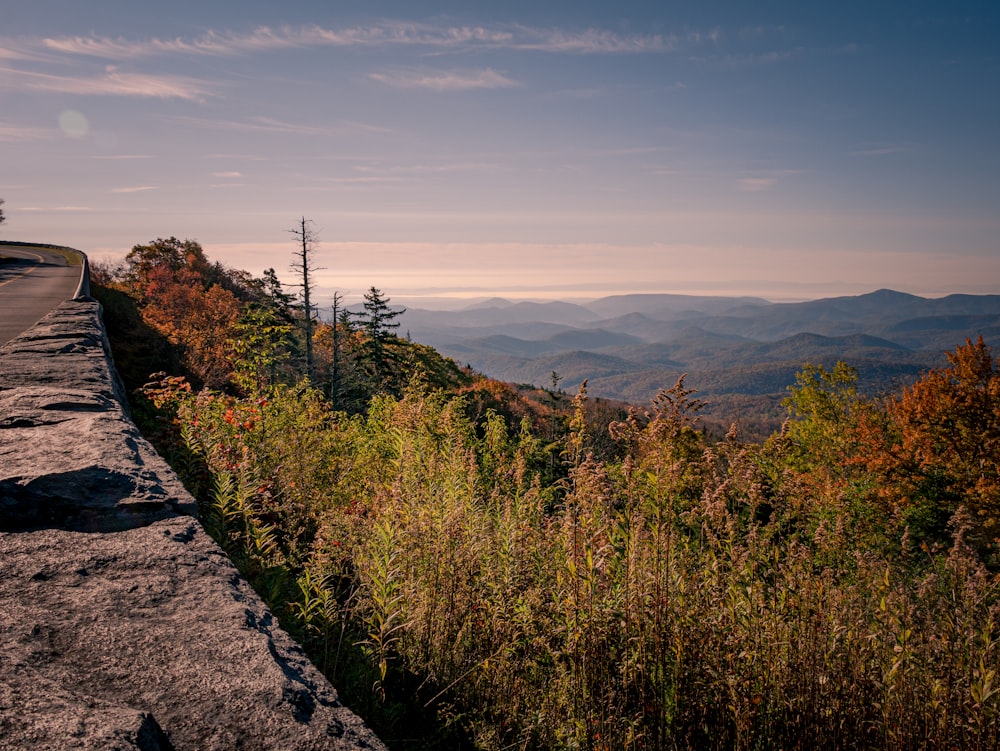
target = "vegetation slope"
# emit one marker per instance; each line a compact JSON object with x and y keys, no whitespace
{"x":476,"y":567}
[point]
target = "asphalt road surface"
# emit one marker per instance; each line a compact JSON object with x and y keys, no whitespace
{"x":33,"y":281}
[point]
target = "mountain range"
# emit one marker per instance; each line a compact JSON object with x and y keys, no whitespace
{"x":734,"y":350}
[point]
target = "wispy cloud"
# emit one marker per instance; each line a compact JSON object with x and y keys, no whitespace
{"x":280,"y":127}
{"x":445,"y":80}
{"x":761,"y":30}
{"x":394,"y":174}
{"x":362,"y":180}
{"x":135,"y":189}
{"x":221,"y":43}
{"x":389,"y":33}
{"x":112,"y":83}
{"x":752,"y":59}
{"x":595,"y":41}
{"x":8,"y":52}
{"x":241,"y":157}
{"x":418,"y":169}
{"x":398,"y":33}
{"x":37,"y":209}
{"x":712,"y":36}
{"x":115,"y":157}
{"x":211,"y":43}
{"x":10,"y":132}
{"x":755,"y":184}
{"x":764,"y":180}
{"x":231,"y":174}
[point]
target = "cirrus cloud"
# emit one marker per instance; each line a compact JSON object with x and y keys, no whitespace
{"x":112,"y":83}
{"x":388,"y":33}
{"x":755,"y":184}
{"x":14,"y":132}
{"x":445,"y":80}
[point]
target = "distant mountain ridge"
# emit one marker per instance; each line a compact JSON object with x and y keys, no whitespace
{"x":630,"y":346}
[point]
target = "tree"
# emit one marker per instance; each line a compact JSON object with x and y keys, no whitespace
{"x":824,"y":406}
{"x":2,"y":217}
{"x":340,"y":356}
{"x":190,"y":301}
{"x":937,"y":446}
{"x":277,"y":299}
{"x":379,"y":318}
{"x":335,"y":350}
{"x":261,"y":345}
{"x":379,"y":324}
{"x":201,"y":321}
{"x":306,"y":237}
{"x":178,"y":261}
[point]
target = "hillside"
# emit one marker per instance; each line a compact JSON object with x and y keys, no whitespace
{"x":631,"y":346}
{"x":480,"y":566}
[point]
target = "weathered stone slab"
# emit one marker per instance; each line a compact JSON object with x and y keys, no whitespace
{"x":74,"y":333}
{"x":69,"y":455}
{"x":124,"y":626}
{"x":151,"y":631}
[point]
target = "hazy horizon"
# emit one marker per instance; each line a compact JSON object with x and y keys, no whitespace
{"x":471,"y":300}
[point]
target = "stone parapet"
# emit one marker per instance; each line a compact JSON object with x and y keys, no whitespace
{"x":124,"y":625}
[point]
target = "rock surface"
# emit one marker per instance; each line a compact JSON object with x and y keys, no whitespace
{"x":69,"y":456}
{"x":124,"y":626}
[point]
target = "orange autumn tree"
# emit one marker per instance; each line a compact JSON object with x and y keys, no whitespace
{"x":936,"y":447}
{"x":188,"y":300}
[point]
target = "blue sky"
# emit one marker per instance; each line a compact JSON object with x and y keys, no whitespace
{"x":543,"y":149}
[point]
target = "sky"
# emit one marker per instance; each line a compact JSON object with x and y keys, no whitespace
{"x":544,"y":150}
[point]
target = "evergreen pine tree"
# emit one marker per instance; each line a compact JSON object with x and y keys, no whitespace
{"x":379,"y":324}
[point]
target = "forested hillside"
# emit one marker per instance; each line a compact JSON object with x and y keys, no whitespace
{"x":742,"y":352}
{"x":477,"y":566}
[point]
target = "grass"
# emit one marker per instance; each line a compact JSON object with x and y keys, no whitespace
{"x":689,"y":595}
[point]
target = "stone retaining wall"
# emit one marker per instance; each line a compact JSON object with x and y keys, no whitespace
{"x":124,"y":626}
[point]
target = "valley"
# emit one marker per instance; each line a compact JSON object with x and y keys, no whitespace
{"x":740,"y":354}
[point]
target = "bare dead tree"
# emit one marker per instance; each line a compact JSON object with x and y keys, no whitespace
{"x":306,"y":240}
{"x":335,"y":355}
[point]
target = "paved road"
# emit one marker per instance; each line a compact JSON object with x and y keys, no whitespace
{"x":33,"y":281}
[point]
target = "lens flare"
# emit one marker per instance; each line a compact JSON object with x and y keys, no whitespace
{"x":73,"y":124}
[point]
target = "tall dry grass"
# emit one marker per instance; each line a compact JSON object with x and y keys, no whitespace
{"x":690,"y":595}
